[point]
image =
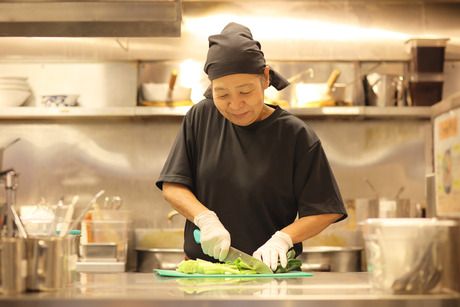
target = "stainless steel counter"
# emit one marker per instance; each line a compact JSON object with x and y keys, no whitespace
{"x":146,"y":289}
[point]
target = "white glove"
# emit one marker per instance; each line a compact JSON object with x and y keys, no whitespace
{"x":275,"y":248}
{"x":215,"y":239}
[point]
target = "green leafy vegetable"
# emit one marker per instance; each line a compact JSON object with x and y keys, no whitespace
{"x":293,"y":264}
{"x":200,"y":266}
{"x":238,"y":267}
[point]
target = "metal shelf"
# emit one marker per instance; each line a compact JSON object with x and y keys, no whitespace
{"x":18,"y":113}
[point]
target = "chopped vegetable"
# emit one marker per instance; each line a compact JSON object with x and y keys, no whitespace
{"x":237,"y":267}
{"x":293,"y":264}
{"x":200,"y":266}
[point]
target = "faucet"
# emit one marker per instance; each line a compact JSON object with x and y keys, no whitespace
{"x":172,"y":214}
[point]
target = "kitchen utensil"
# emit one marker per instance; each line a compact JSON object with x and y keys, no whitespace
{"x":386,"y":89}
{"x":117,"y":202}
{"x":423,"y":277}
{"x":68,"y":216}
{"x":59,"y":100}
{"x":85,"y":210}
{"x":330,"y":84}
{"x":234,"y":254}
{"x":114,"y":202}
{"x":372,"y":187}
{"x":171,"y":84}
{"x":13,"y":97}
{"x":9,"y":143}
{"x":17,"y":220}
{"x":172,"y":273}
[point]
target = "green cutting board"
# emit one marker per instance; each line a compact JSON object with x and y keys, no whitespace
{"x":172,"y":273}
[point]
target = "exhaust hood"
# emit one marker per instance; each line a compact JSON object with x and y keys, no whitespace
{"x":97,"y":18}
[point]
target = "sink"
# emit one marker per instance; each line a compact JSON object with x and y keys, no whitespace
{"x":146,"y":238}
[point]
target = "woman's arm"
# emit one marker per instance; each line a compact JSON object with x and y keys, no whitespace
{"x":215,"y":239}
{"x":182,"y":200}
{"x":309,"y":226}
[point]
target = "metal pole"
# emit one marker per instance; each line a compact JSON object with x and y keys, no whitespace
{"x":10,"y":186}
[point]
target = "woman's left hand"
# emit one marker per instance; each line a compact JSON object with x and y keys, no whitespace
{"x":275,"y":248}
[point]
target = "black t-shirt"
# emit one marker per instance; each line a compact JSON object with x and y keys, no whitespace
{"x":256,"y":178}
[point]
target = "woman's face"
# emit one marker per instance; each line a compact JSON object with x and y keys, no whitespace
{"x":240,"y":97}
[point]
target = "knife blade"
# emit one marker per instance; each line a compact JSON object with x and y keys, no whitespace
{"x":234,"y":253}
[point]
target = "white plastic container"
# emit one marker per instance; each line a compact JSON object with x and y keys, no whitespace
{"x":404,"y":255}
{"x":108,"y":226}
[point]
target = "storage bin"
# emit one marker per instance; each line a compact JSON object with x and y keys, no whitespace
{"x":100,"y":231}
{"x":427,"y":55}
{"x":425,"y":93}
{"x":404,"y":256}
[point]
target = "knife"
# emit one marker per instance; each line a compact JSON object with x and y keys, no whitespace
{"x":234,"y":254}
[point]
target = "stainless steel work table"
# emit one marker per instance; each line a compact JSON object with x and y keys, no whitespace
{"x":144,"y":289}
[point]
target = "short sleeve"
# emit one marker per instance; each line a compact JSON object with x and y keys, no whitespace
{"x":179,"y":165}
{"x":315,"y":187}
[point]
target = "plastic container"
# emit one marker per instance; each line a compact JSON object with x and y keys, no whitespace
{"x":425,"y":93}
{"x":404,"y":256}
{"x":427,"y":55}
{"x":99,"y":251}
{"x":109,"y":231}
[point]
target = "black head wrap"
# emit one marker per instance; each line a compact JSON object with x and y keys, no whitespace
{"x":234,"y":51}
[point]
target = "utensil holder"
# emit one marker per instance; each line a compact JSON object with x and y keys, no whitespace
{"x":13,"y":265}
{"x":51,"y":262}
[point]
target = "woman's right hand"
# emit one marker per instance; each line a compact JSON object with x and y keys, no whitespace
{"x":215,"y":239}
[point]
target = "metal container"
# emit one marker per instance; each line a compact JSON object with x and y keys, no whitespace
{"x":386,"y":208}
{"x":331,"y":259}
{"x":387,"y":90}
{"x":51,"y":262}
{"x":13,"y":265}
{"x":158,"y":258}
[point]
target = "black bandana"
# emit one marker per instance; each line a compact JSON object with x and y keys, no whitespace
{"x":234,"y":51}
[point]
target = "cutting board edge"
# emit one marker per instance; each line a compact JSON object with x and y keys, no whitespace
{"x":175,"y":274}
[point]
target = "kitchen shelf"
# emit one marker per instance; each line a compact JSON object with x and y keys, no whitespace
{"x":14,"y":113}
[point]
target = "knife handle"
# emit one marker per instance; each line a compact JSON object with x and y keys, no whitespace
{"x":197,"y":236}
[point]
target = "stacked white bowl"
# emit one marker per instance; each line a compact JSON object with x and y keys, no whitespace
{"x":14,"y":91}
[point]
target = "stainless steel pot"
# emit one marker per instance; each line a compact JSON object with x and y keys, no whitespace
{"x":158,"y":258}
{"x":331,"y":259}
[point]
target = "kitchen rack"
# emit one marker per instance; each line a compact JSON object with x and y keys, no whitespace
{"x":15,"y":113}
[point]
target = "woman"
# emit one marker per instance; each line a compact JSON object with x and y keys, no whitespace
{"x":241,"y":170}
